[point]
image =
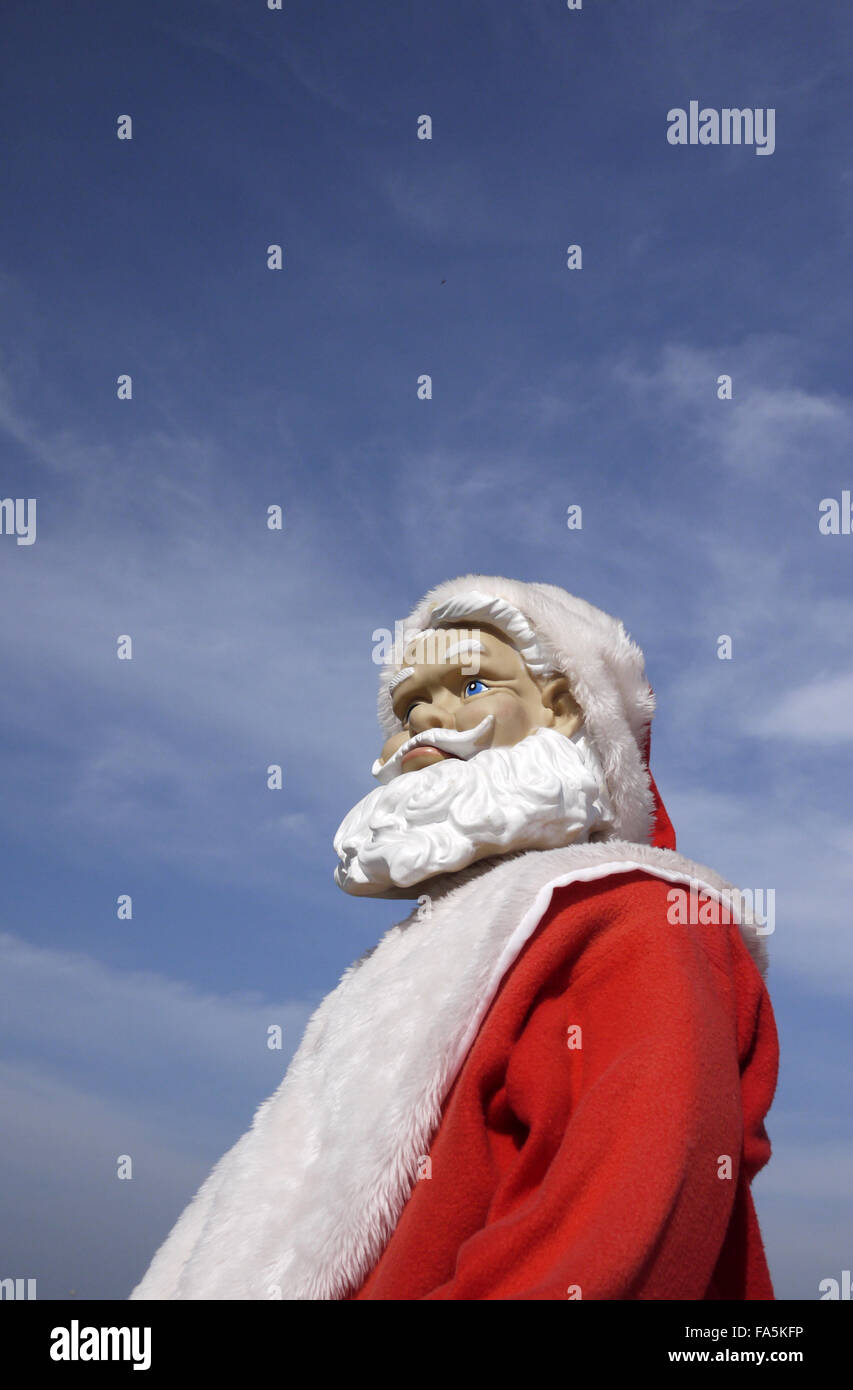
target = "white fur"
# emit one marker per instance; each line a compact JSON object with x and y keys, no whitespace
{"x":304,"y":1204}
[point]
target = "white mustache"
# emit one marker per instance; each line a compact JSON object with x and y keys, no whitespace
{"x":462,"y":743}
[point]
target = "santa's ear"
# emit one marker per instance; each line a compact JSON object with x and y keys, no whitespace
{"x":566,"y":712}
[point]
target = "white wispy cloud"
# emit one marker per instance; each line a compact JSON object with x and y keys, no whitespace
{"x":820,"y":712}
{"x":773,"y":428}
{"x":139,"y":1036}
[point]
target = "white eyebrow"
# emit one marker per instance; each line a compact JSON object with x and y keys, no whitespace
{"x":463,"y":648}
{"x":399,"y":678}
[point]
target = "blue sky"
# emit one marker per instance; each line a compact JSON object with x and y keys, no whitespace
{"x":253,"y":387}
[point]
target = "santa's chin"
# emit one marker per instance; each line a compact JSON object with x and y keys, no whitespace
{"x":546,"y":791}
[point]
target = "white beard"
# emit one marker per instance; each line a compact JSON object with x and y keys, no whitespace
{"x":542,"y":793}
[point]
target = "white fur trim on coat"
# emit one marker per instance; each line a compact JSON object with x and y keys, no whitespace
{"x":303,"y":1205}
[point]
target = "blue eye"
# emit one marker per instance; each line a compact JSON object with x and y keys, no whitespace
{"x":474,"y":688}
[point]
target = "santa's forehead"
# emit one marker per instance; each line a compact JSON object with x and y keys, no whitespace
{"x":437,"y":643}
{"x":428,"y":646}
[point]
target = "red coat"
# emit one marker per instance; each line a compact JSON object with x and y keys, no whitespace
{"x":600,"y":1171}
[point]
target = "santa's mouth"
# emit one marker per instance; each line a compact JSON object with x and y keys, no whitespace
{"x":423,"y":748}
{"x":459,"y":744}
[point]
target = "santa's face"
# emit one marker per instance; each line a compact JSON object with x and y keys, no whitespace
{"x":502,"y":760}
{"x":440,"y":692}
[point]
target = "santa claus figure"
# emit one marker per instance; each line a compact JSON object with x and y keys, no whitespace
{"x":550,"y":1080}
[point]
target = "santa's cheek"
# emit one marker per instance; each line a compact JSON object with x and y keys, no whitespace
{"x":512,"y":720}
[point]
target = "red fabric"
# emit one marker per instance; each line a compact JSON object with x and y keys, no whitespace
{"x":663,"y":833}
{"x":596,"y":1168}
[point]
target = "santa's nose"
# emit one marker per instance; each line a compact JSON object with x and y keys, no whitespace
{"x":431,"y":716}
